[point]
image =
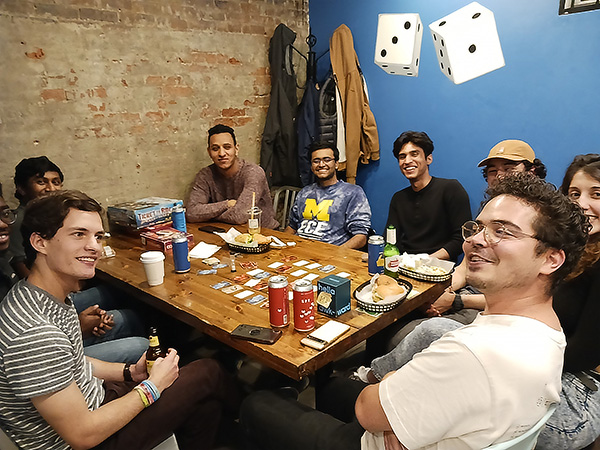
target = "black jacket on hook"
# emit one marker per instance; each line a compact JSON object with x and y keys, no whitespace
{"x":278,"y":152}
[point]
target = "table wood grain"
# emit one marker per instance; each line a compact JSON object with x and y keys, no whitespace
{"x":189,"y":298}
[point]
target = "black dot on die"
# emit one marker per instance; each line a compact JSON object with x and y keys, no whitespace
{"x":449,"y":71}
{"x":442,"y":23}
{"x":417,"y":62}
{"x":476,"y":15}
{"x":441,"y":53}
{"x":383,"y":53}
{"x":407,"y":25}
{"x":395,"y":40}
{"x":472,"y":48}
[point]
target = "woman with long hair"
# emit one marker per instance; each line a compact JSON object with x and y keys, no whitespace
{"x":576,"y":422}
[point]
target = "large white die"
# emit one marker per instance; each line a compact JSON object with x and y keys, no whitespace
{"x":398,"y":46}
{"x":467,"y":43}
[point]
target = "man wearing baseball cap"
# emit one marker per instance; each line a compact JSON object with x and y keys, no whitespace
{"x":511,"y":156}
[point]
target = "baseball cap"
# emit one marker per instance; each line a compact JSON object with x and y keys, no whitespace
{"x":512,"y":149}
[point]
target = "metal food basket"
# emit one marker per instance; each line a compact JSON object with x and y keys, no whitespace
{"x":260,"y":248}
{"x":374,"y":307}
{"x":424,"y":276}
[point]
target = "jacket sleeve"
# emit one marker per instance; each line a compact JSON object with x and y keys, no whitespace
{"x":459,"y":211}
{"x":358,"y":214}
{"x":199,"y":208}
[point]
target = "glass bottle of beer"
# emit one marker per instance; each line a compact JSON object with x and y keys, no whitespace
{"x":154,"y":351}
{"x":391,"y":254}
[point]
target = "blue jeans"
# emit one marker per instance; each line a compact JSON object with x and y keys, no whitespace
{"x":122,"y":343}
{"x":576,"y":422}
{"x":419,"y":339}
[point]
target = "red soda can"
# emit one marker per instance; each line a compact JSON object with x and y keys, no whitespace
{"x":279,"y":304}
{"x":304,"y":306}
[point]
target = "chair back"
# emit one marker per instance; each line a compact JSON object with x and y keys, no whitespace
{"x":168,"y":444}
{"x":527,"y":440}
{"x":283,"y":200}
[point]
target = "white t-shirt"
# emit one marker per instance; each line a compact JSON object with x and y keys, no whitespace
{"x":484,"y":383}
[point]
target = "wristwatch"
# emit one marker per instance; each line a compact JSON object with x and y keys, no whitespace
{"x":127,"y":372}
{"x":457,"y":304}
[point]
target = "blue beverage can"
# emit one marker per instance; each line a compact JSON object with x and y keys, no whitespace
{"x":178,"y":218}
{"x":375,"y":254}
{"x":181,"y":256}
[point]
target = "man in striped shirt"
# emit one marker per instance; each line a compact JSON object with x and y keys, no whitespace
{"x":51,"y":395}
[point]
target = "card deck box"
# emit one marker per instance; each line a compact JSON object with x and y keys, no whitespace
{"x":333,"y":295}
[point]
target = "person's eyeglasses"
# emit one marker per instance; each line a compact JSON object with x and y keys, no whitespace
{"x":318,"y":161}
{"x":494,"y":232}
{"x":8,"y":216}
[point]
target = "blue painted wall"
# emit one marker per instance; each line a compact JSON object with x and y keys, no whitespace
{"x":547,"y":94}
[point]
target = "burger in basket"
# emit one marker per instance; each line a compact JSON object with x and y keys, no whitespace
{"x":385,"y":289}
{"x":252,"y":239}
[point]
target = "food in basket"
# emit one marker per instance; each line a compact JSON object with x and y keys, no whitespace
{"x":425,"y":264}
{"x":431,"y":270}
{"x":249,"y":239}
{"x":384,"y":287}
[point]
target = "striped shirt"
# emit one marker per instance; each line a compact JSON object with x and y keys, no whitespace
{"x":41,"y":352}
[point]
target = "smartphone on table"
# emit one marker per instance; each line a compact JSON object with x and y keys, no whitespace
{"x":255,"y":333}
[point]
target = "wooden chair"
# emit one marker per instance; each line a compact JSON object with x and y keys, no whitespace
{"x":528,"y":440}
{"x":283,"y":200}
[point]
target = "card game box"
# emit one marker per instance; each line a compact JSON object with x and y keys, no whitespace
{"x":333,"y":295}
{"x":160,"y":238}
{"x":142,"y":213}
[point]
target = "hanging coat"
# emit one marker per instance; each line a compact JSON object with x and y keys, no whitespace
{"x":308,"y":130}
{"x":278,"y":153}
{"x":362,"y":141}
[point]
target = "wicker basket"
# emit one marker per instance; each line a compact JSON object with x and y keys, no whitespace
{"x":375,"y":307}
{"x":260,"y":248}
{"x":424,"y":276}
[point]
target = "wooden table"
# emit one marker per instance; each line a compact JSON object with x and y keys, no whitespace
{"x":188,"y":297}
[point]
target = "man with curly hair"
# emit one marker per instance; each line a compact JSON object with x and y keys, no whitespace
{"x":483,"y":383}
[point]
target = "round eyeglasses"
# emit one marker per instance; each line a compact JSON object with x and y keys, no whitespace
{"x":494,"y":232}
{"x":326,"y":160}
{"x":8,"y":216}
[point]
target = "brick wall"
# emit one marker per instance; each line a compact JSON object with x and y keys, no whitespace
{"x":120,"y":93}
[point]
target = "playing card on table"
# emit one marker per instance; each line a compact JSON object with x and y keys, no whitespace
{"x":241,"y":278}
{"x":313,"y":266}
{"x":289,"y":258}
{"x":256,"y":299}
{"x":298,"y":273}
{"x":328,"y":268}
{"x":219,"y":266}
{"x":207,"y":272}
{"x":211,"y":261}
{"x":232,"y":289}
{"x":301,"y":263}
{"x":254,"y":272}
{"x":243,"y":294}
{"x":220,"y":285}
{"x":251,"y":283}
{"x":275,"y":265}
{"x":282,"y":269}
{"x":262,"y":284}
{"x":247,"y":265}
{"x":262,"y":275}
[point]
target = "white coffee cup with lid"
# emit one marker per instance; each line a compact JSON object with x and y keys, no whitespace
{"x":154,"y":265}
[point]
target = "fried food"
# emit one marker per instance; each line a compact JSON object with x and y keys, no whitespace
{"x":384,"y":287}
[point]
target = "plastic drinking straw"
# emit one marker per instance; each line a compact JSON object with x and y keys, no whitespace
{"x":253,"y":202}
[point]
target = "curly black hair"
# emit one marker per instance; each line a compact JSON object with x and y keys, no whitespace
{"x":560,"y":223}
{"x":46,"y":215}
